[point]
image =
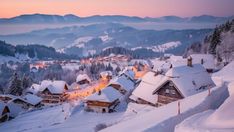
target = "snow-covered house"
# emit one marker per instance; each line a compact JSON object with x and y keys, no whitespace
{"x":178,"y":83}
{"x":107,"y":99}
{"x":83,"y":79}
{"x":7,"y":97}
{"x":28,"y":101}
{"x":4,"y":112}
{"x":143,"y":92}
{"x":34,"y":89}
{"x":106,"y":75}
{"x":53,"y":91}
{"x":182,"y":82}
{"x":207,"y":60}
{"x":128,"y":73}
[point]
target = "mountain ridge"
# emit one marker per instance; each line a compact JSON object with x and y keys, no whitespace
{"x":71,"y":18}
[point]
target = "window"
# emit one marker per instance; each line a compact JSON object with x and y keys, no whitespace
{"x":172,"y":91}
{"x":167,"y":91}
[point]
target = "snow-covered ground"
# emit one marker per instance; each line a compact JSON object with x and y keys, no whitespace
{"x":162,"y":47}
{"x":199,"y":112}
{"x":219,"y":120}
{"x":166,"y":117}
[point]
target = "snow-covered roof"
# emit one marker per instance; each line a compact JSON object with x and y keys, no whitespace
{"x":32,"y":99}
{"x":55,"y":87}
{"x":147,"y":86}
{"x":35,"y":88}
{"x":129,"y":73}
{"x":189,"y":80}
{"x":108,"y":94}
{"x":208,"y":60}
{"x":81,"y":77}
{"x":124,"y":82}
{"x":106,"y":73}
{"x":9,"y":96}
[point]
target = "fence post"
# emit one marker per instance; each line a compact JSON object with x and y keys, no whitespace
{"x":178,"y":107}
{"x":209,"y":91}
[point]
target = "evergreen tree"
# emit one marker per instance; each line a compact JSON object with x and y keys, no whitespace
{"x":215,"y":40}
{"x":15,"y":86}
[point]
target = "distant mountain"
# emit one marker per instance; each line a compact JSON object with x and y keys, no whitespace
{"x":31,"y":51}
{"x":92,"y":39}
{"x":207,"y":18}
{"x":44,"y":18}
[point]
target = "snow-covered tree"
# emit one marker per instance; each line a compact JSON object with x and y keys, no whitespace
{"x":225,"y":51}
{"x":15,"y":86}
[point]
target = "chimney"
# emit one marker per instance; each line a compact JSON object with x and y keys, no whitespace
{"x":99,"y":92}
{"x":190,"y":61}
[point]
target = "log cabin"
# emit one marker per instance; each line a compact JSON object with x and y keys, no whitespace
{"x":4,"y":112}
{"x":53,"y":91}
{"x":178,"y":83}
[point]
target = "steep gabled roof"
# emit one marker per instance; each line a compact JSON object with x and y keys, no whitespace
{"x":108,"y":94}
{"x":81,"y":77}
{"x":55,"y":87}
{"x":32,"y":99}
{"x":128,"y":73}
{"x":149,"y":83}
{"x":124,"y":81}
{"x":189,"y":80}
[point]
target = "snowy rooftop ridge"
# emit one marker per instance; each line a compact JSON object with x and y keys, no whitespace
{"x":56,"y":87}
{"x":188,"y":80}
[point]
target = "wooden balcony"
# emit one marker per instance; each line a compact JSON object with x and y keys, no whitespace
{"x":166,"y":99}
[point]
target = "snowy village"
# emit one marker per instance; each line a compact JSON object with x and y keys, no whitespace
{"x":117,"y":73}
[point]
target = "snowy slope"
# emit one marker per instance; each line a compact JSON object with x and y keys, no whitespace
{"x":221,"y":119}
{"x":166,"y":117}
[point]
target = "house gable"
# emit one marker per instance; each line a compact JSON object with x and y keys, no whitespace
{"x":169,"y":89}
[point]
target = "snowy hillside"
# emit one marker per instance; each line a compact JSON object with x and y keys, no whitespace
{"x":220,"y":119}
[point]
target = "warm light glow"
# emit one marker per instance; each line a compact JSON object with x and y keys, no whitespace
{"x":153,"y":8}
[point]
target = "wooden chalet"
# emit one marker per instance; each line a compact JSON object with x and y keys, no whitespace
{"x":178,"y":83}
{"x":83,"y":79}
{"x":53,"y":91}
{"x":109,"y":98}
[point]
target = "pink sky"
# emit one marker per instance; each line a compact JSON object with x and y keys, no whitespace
{"x":152,"y":8}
